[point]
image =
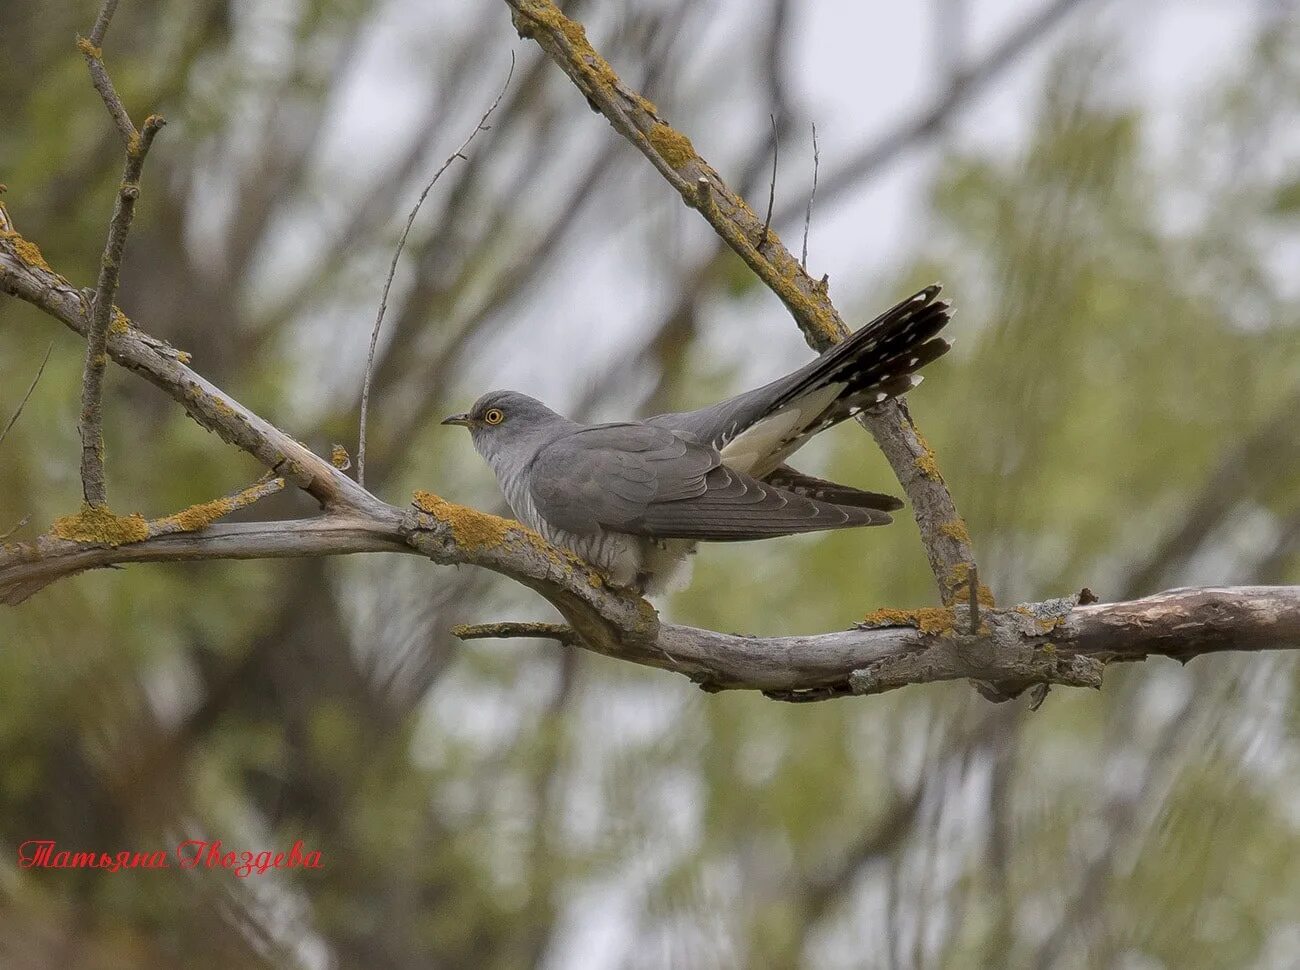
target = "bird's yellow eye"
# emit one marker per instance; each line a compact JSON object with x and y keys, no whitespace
{"x":493,"y":416}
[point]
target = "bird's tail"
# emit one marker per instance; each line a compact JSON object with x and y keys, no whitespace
{"x":878,"y":361}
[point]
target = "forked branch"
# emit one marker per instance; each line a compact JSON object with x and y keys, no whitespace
{"x":91,"y":423}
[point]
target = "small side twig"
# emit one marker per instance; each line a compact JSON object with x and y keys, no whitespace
{"x":392,"y":270}
{"x":703,"y":192}
{"x":771,"y":189}
{"x":205,"y":513}
{"x":807,"y":216}
{"x":508,"y":630}
{"x":23,"y":403}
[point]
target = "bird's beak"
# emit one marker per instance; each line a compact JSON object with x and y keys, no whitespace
{"x":461,"y":419}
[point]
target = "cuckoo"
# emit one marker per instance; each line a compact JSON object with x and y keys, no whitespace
{"x":634,"y":497}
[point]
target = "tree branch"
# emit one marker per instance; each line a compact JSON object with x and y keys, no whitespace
{"x":92,"y":50}
{"x":944,"y":534}
{"x":1054,"y":642}
{"x":508,"y":631}
{"x":91,"y":425}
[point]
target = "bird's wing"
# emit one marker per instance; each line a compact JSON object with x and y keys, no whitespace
{"x":643,"y":480}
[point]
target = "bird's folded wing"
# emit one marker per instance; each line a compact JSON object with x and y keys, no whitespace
{"x":643,"y":480}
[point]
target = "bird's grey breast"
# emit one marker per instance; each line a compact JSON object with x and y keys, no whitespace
{"x":620,"y":556}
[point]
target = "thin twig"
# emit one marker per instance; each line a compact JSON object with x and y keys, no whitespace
{"x":91,"y":50}
{"x":91,"y":425}
{"x":507,"y":630}
{"x":807,"y":216}
{"x":106,"y":11}
{"x":205,"y":513}
{"x":392,"y":270}
{"x":23,"y":403}
{"x":771,"y":188}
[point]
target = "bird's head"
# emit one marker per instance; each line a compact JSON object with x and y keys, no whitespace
{"x":502,"y":418}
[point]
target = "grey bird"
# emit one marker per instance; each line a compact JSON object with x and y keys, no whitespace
{"x":633,"y":498}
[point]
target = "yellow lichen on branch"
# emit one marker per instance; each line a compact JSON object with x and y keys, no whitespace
{"x":956,"y":530}
{"x":931,"y":620}
{"x":532,"y":14}
{"x":26,"y":250}
{"x":470,"y":528}
{"x":197,"y":516}
{"x":88,"y":49}
{"x":926,"y":463}
{"x":203,"y":514}
{"x":473,"y":530}
{"x":97,"y":525}
{"x":673,"y":147}
{"x":959,"y":581}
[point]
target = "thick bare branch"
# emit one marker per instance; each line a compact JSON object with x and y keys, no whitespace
{"x":1051,"y":642}
{"x":943,"y":532}
{"x":28,"y":567}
